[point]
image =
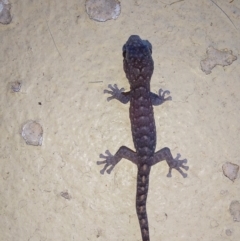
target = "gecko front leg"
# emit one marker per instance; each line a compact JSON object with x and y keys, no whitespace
{"x":173,"y":163}
{"x":112,"y":160}
{"x":160,"y":98}
{"x":117,"y":94}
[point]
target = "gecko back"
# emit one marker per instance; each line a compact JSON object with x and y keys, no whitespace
{"x":138,"y":66}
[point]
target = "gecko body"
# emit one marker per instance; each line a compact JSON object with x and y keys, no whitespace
{"x":138,"y":66}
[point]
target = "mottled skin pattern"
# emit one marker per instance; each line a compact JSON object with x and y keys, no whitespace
{"x":138,"y":66}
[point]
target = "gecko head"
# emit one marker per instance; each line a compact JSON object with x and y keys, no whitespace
{"x":137,"y":60}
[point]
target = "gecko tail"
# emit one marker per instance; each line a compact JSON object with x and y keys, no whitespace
{"x":141,"y":200}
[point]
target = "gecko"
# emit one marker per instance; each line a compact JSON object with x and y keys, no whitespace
{"x":138,"y":66}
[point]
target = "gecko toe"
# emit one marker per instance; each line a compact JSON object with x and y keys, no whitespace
{"x":166,"y":92}
{"x":110,"y":87}
{"x":184,"y":161}
{"x":108,"y":153}
{"x":101,"y":162}
{"x":107,"y":92}
{"x":110,"y":98}
{"x":168,"y":98}
{"x":169,"y":172}
{"x":184,"y":175}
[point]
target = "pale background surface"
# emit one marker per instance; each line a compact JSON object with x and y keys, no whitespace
{"x":65,"y":61}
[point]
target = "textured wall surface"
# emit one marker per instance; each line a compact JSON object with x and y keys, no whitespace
{"x":64,"y":61}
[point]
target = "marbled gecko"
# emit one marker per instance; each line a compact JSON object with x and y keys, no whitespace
{"x":138,"y":66}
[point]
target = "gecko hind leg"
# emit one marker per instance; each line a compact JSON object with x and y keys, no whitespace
{"x":112,"y":160}
{"x":173,"y":163}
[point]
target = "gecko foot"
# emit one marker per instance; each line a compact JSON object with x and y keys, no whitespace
{"x":115,"y":92}
{"x":110,"y":161}
{"x":162,"y":94}
{"x":177,"y":164}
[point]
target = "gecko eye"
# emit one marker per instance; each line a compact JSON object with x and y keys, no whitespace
{"x":150,"y":50}
{"x":124,"y":51}
{"x":148,"y":44}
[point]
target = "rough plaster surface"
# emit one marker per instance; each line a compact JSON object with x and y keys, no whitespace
{"x":64,"y":61}
{"x":216,"y":57}
{"x":103,"y":10}
{"x":5,"y":15}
